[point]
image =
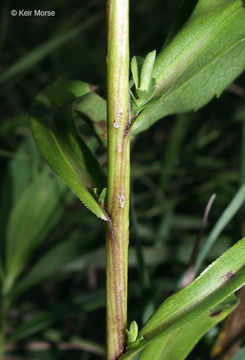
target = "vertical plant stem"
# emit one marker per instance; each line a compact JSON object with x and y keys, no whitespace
{"x":118,"y":174}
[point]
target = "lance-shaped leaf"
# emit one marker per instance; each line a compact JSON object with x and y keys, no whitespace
{"x":179,"y":344}
{"x":34,"y":214}
{"x":135,"y":71}
{"x":220,"y":280}
{"x":199,"y":62}
{"x":144,"y":92}
{"x":51,"y":262}
{"x":60,"y":143}
{"x":146,"y":71}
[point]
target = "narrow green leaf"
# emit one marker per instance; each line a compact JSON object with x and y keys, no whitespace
{"x":224,"y":219}
{"x":134,"y":70}
{"x":37,"y":210}
{"x":146,"y":71}
{"x":132,"y":333}
{"x":220,"y":280}
{"x":174,"y":145}
{"x":199,"y":62}
{"x":16,"y":179}
{"x":155,"y":349}
{"x":61,"y":145}
{"x":32,"y":58}
{"x":179,"y":344}
{"x":50,"y":263}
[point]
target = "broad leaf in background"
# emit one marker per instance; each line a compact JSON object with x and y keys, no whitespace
{"x":35,"y":213}
{"x":199,"y":62}
{"x":220,"y":280}
{"x":22,"y":167}
{"x":54,"y":129}
{"x":54,"y":260}
{"x":179,"y":344}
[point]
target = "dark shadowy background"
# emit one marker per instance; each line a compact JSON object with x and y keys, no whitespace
{"x":176,"y":166}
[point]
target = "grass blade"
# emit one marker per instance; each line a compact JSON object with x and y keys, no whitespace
{"x":225,"y":218}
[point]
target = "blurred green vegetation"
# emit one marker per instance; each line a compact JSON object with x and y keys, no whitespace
{"x":58,"y":304}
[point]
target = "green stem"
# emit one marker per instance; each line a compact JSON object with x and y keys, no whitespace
{"x":118,"y":175}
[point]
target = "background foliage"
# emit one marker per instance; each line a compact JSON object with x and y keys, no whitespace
{"x":58,"y":300}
